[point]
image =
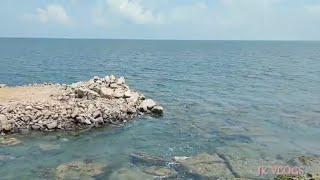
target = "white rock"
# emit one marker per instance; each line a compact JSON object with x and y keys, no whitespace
{"x":114,"y":86}
{"x":107,"y":79}
{"x":87,"y":121}
{"x":95,"y":78}
{"x":29,"y":108}
{"x":52,"y":125}
{"x":118,"y":93}
{"x":127,"y":94}
{"x":3,"y":85}
{"x":112,"y":78}
{"x":121,"y":81}
{"x":106,"y":92}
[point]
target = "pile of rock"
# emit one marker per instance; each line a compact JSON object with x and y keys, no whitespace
{"x":97,"y":102}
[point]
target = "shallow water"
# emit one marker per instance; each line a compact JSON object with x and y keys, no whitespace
{"x":251,"y":98}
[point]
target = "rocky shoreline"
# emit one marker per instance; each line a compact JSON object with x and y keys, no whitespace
{"x":50,"y":107}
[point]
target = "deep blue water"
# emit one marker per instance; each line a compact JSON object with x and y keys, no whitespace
{"x":252,"y":98}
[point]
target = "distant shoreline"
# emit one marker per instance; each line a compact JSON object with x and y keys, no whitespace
{"x":146,"y":39}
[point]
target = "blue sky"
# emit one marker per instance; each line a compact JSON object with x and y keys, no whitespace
{"x":162,"y":19}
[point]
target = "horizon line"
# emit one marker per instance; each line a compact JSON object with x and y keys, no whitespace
{"x":155,"y":39}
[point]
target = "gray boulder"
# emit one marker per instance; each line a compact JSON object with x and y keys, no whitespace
{"x":157,"y":110}
{"x":147,"y":105}
{"x":52,"y":125}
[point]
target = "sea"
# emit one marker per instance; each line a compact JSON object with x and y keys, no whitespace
{"x":250,"y":99}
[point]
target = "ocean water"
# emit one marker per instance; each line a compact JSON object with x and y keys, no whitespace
{"x":257,"y":99}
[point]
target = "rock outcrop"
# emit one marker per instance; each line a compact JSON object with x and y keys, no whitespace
{"x":97,"y":102}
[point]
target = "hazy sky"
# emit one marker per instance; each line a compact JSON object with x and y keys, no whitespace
{"x":162,"y":19}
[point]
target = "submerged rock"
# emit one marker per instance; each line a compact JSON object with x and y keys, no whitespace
{"x":129,"y":174}
{"x":79,"y":170}
{"x":6,"y":157}
{"x":205,"y":166}
{"x":147,"y":159}
{"x":292,"y":177}
{"x":5,"y":141}
{"x":49,"y":147}
{"x":310,"y":165}
{"x":161,"y":172}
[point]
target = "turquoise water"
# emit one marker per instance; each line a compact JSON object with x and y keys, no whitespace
{"x":250,"y":98}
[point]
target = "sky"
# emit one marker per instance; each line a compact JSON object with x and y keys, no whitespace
{"x":162,"y":19}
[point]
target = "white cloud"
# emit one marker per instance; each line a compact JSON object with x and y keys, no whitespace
{"x":313,"y":9}
{"x":51,"y":13}
{"x":133,"y":10}
{"x":114,"y":12}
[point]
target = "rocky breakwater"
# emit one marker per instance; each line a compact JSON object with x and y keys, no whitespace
{"x":48,"y":107}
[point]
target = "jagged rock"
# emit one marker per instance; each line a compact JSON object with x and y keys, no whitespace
{"x":147,"y":159}
{"x":147,"y":105}
{"x":9,"y":141}
{"x":79,"y":170}
{"x":96,"y":114}
{"x":205,"y":166}
{"x":98,"y":120}
{"x":52,"y":125}
{"x":83,"y":120}
{"x":161,"y":172}
{"x":106,"y":92}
